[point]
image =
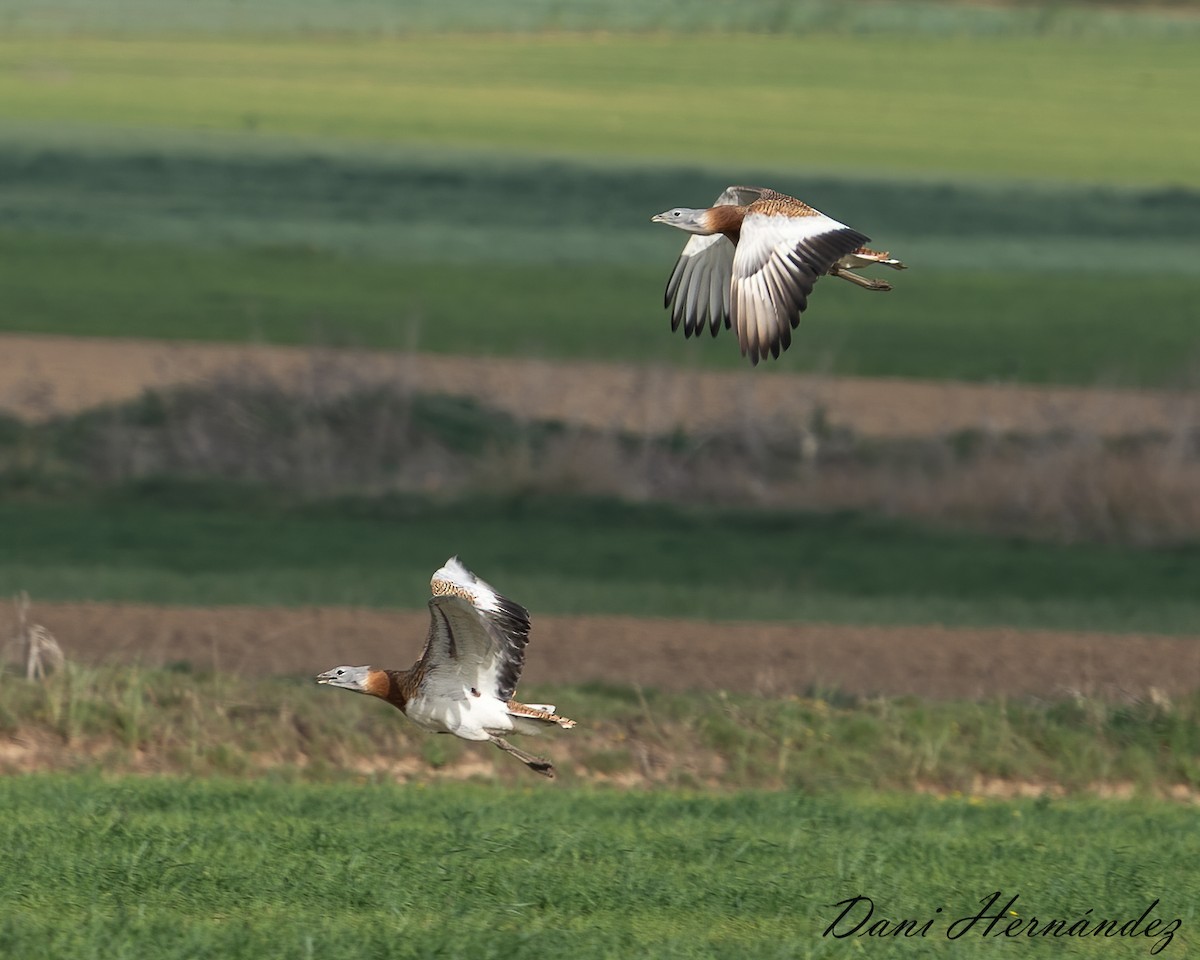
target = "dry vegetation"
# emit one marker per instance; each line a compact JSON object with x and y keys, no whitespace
{"x":155,"y":721}
{"x":1070,"y":465}
{"x":36,"y":646}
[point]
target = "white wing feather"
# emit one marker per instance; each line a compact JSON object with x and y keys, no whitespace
{"x":698,"y":292}
{"x":477,"y":637}
{"x":778,"y":259}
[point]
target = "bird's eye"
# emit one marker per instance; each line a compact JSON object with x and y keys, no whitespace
{"x":675,"y":213}
{"x":340,"y":672}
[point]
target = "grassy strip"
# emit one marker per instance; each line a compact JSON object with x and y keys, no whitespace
{"x":1032,"y":108}
{"x":576,"y":556}
{"x":164,"y":868}
{"x":142,"y":720}
{"x":445,"y":206}
{"x":378,"y":17}
{"x":971,"y":325}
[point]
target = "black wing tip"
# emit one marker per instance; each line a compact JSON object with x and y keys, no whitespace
{"x":815,"y":256}
{"x":512,"y":612}
{"x":512,"y":621}
{"x":850,"y":239}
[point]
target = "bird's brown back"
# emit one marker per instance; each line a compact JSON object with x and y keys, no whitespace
{"x":774,"y":204}
{"x":727,"y":217}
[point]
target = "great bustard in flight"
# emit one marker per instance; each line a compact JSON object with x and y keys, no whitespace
{"x":464,"y":682}
{"x":753,"y":263}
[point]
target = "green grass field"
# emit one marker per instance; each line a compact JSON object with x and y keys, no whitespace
{"x":438,"y":205}
{"x":369,"y":18}
{"x":430,"y":250}
{"x":180,"y":868}
{"x":492,"y":193}
{"x":923,"y":106}
{"x":1041,"y":328}
{"x":579,"y":556}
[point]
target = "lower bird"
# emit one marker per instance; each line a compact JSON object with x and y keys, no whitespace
{"x":467,"y":675}
{"x":752,"y":264}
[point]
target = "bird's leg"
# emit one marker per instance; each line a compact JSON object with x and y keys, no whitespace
{"x":536,"y":764}
{"x":847,"y":274}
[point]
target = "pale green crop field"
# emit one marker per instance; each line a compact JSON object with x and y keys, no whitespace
{"x":371,"y":18}
{"x":1053,"y":108}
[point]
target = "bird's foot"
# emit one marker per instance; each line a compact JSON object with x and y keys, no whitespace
{"x":846,"y":274}
{"x":536,"y":764}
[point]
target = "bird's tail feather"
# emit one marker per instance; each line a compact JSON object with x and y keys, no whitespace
{"x":530,"y":717}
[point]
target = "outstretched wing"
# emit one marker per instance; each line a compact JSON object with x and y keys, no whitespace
{"x":698,"y":292}
{"x":476,"y":636}
{"x":740,"y":196}
{"x":783,"y":248}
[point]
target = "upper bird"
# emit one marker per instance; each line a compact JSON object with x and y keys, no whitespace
{"x":753,"y":263}
{"x":464,"y":682}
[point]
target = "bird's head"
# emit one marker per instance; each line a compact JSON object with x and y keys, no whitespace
{"x":351,"y":678}
{"x":685,"y":218}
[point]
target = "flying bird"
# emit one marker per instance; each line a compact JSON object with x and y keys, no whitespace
{"x":467,"y":675}
{"x":752,"y":263}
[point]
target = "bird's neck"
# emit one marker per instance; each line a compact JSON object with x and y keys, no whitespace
{"x":397,"y":687}
{"x":726,"y":219}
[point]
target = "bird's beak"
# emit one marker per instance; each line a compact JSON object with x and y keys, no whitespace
{"x":658,"y":218}
{"x":326,"y":677}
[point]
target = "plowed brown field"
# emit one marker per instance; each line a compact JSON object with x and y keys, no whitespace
{"x":768,"y":658}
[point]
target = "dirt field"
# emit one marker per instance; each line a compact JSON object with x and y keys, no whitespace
{"x":44,"y":375}
{"x":772,"y":659}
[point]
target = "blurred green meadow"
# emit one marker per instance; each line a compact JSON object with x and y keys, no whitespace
{"x":1093,"y":110}
{"x":491,"y":192}
{"x":465,"y":254}
{"x":179,"y":868}
{"x":1162,"y":18}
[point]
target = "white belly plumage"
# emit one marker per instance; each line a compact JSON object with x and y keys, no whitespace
{"x":472,"y":718}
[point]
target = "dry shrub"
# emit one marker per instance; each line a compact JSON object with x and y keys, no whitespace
{"x":1066,"y":488}
{"x":330,"y":433}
